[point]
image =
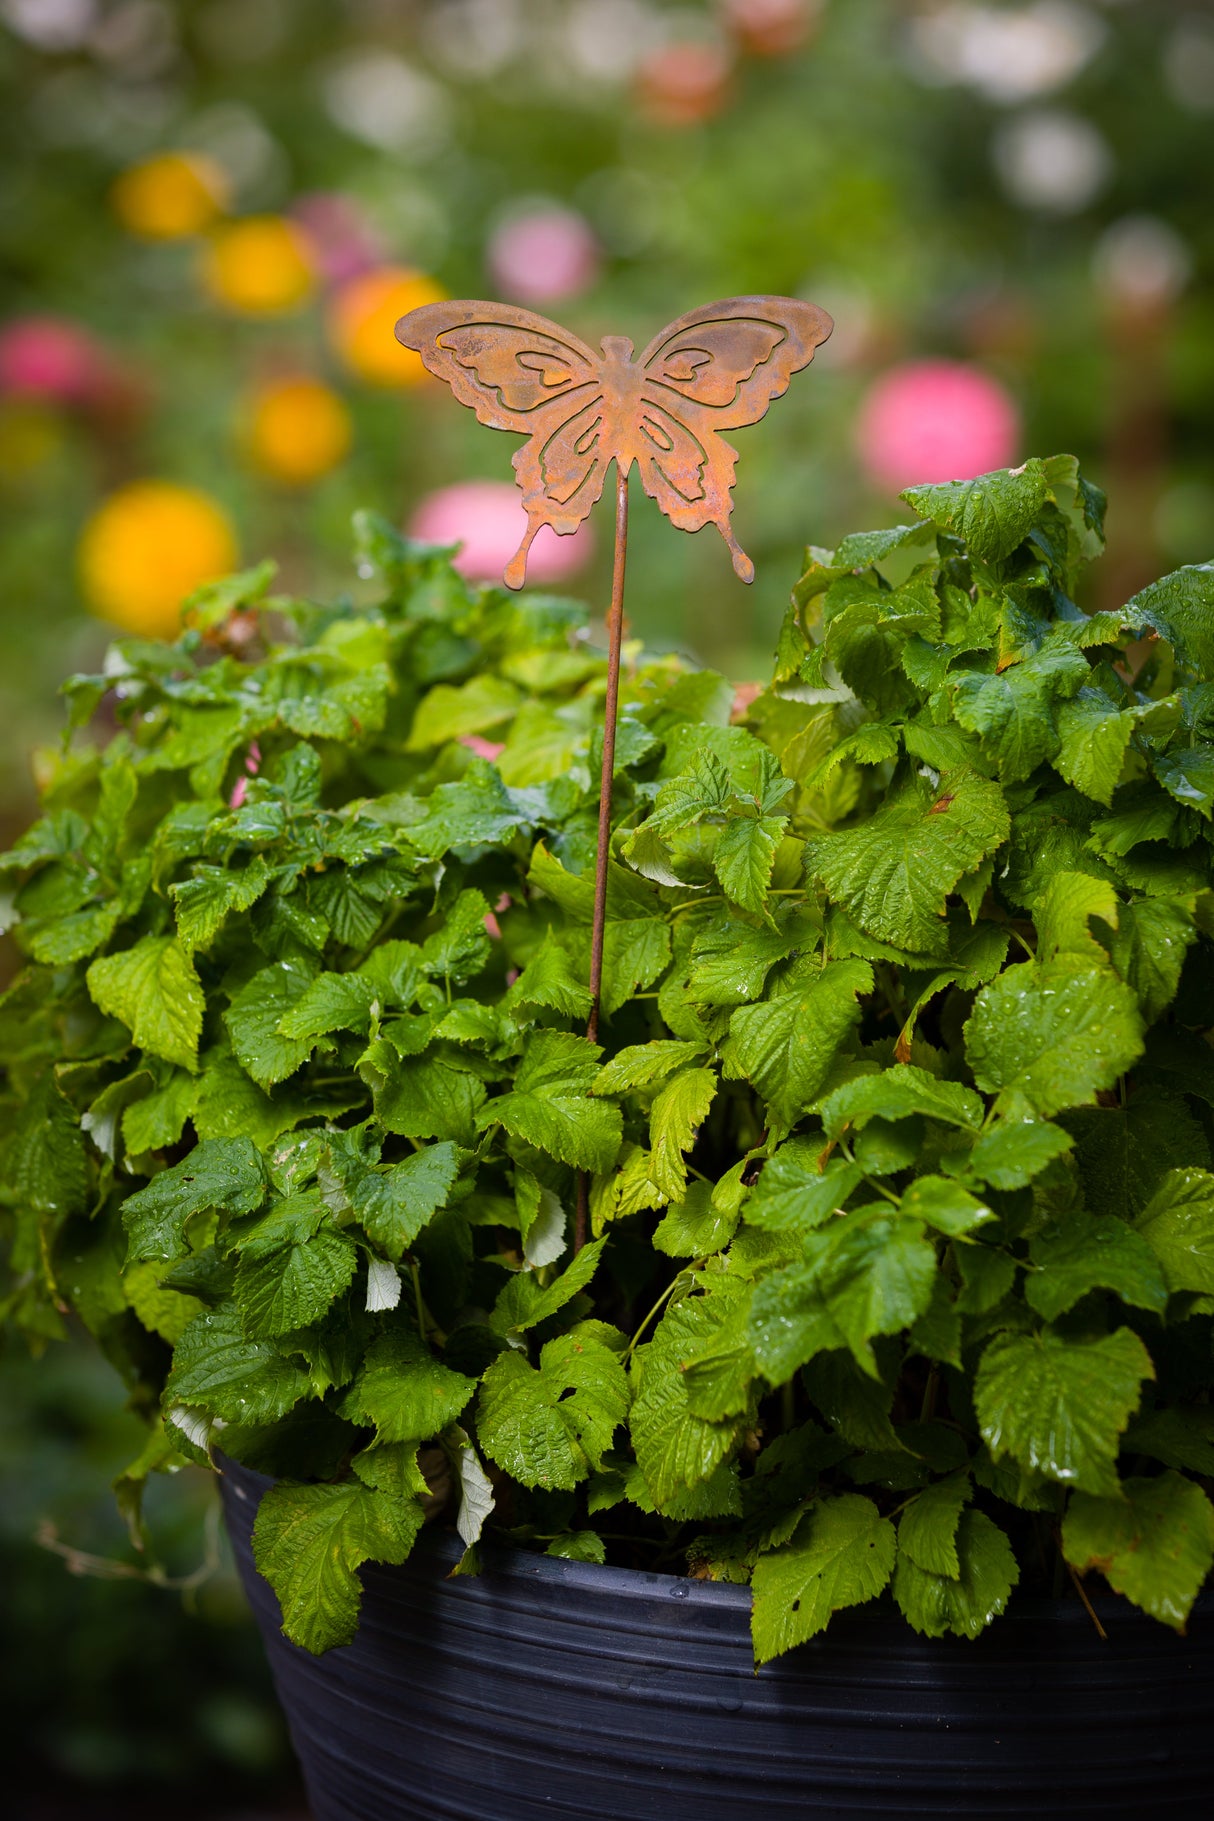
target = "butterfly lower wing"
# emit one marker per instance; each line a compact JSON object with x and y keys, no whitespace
{"x":507,"y":364}
{"x":561,"y":469}
{"x":689,"y":470}
{"x":733,"y":357}
{"x":518,"y":371}
{"x":717,"y":368}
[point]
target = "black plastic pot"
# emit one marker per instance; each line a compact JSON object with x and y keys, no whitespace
{"x":551,"y":1688}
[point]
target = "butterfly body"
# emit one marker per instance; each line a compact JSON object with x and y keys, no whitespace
{"x":715,"y":369}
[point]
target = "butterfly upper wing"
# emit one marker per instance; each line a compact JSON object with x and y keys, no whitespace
{"x":508,"y":364}
{"x":732,"y":358}
{"x":715,"y":369}
{"x":520,"y":372}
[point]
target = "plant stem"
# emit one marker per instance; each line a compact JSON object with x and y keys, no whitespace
{"x":667,"y":1293}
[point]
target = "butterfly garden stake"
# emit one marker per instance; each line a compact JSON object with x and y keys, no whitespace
{"x":715,"y":369}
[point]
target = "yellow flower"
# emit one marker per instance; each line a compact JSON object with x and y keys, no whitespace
{"x":363,"y":316}
{"x":260,"y":265}
{"x":297,"y":429}
{"x":171,"y":196}
{"x":146,"y":547}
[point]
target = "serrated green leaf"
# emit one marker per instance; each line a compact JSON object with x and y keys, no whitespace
{"x":674,"y":1119}
{"x":1080,"y":1253}
{"x":1063,"y":915}
{"x":1048,"y":1037}
{"x":1180,"y":607}
{"x":730,"y":963}
{"x":874,"y":1275}
{"x":205,"y":900}
{"x":219,"y":1369}
{"x":548,"y":1104}
{"x":461,"y":948}
{"x":228,"y":1104}
{"x":1059,"y":1406}
{"x":894,"y":872}
{"x":549,"y":1426}
{"x":964,"y":1603}
{"x":793,"y":1194}
{"x":447,"y":713}
{"x":786,"y":1045}
{"x":220,"y":1173}
{"x":1154,"y":1543}
{"x":1182,"y":1436}
{"x":899,"y":1092}
{"x":927,"y":1529}
{"x":636,"y":950}
{"x":1178,"y":1225}
{"x":292,"y":1286}
{"x":154,"y":990}
{"x":945,"y":1205}
{"x":331,"y":1002}
{"x":877,"y":1277}
{"x":677,"y":1451}
{"x":842,"y":1555}
{"x":525,"y":1302}
{"x":743,"y":859}
{"x":1013,"y":710}
{"x":549,"y":980}
{"x":310,"y":1541}
{"x":403,"y":1391}
{"x":1148,"y":949}
{"x":641,"y":1065}
{"x":254,"y":1016}
{"x":695,"y":1227}
{"x":1187,"y":773}
{"x":1012,"y":1152}
{"x":393,"y":1205}
{"x":993,"y":513}
{"x":1094,"y":735}
{"x":44,"y":1155}
{"x":432,"y":1096}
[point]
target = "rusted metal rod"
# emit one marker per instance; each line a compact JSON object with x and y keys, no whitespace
{"x":615,"y":635}
{"x":598,"y":927}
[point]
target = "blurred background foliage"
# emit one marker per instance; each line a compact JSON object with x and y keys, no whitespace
{"x":214,"y":210}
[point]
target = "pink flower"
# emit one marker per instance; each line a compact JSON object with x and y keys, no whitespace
{"x":239,"y":792}
{"x":543,"y":256}
{"x":487,"y":518}
{"x":341,"y":241}
{"x":935,"y":420}
{"x":484,"y":749}
{"x":48,"y":357}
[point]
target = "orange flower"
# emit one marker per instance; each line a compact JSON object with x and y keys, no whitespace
{"x":171,"y":196}
{"x":297,"y":429}
{"x":260,"y":265}
{"x":363,"y":316}
{"x":146,"y":547}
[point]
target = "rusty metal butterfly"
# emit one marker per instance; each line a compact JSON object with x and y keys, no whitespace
{"x":717,"y":368}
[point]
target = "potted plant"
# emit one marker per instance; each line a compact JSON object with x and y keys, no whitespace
{"x":898,"y":1296}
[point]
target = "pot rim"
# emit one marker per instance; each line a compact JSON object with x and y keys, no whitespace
{"x":438,"y":1539}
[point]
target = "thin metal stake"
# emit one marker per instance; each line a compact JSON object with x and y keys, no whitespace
{"x":615,"y":638}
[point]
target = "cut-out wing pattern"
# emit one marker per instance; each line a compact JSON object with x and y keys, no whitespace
{"x":715,"y":369}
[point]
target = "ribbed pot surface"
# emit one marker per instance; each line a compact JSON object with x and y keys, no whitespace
{"x":545,"y":1688}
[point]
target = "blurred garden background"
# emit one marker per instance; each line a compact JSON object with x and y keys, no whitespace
{"x":214,"y":211}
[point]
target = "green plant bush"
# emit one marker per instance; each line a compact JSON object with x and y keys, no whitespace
{"x":901,"y":1271}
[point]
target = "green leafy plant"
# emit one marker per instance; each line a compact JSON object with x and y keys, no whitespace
{"x":901,"y":1267}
